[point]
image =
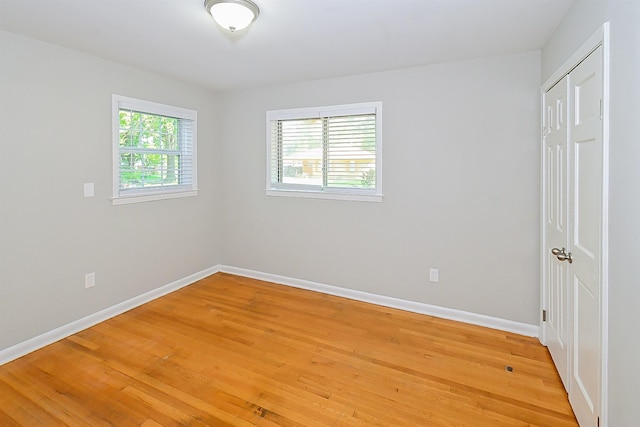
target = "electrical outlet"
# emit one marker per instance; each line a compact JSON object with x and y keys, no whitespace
{"x":89,"y":280}
{"x":433,"y":275}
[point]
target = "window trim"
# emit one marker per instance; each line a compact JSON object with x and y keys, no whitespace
{"x":293,"y":190}
{"x":152,"y":193}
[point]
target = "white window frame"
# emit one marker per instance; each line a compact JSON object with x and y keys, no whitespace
{"x":319,"y":192}
{"x":151,"y":193}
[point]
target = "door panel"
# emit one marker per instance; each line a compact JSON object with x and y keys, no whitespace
{"x":556,"y":234}
{"x":586,"y":348}
{"x":586,"y":234}
{"x":586,"y":201}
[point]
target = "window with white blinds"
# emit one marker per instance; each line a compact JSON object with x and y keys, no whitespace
{"x":154,"y":154}
{"x":326,"y":152}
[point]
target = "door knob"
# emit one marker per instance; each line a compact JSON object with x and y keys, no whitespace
{"x":565,"y":257}
{"x":562,"y":255}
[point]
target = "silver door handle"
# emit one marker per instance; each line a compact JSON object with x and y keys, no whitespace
{"x":565,"y":257}
{"x":562,"y":255}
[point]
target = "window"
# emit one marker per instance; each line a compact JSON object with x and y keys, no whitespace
{"x":325,"y":152}
{"x":154,"y":151}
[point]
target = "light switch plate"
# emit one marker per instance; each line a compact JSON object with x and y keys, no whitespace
{"x":433,"y":275}
{"x":89,"y":189}
{"x":89,"y":280}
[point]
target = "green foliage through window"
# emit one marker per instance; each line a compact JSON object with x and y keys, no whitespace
{"x":150,"y":152}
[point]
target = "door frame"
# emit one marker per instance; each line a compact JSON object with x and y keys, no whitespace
{"x":599,"y":38}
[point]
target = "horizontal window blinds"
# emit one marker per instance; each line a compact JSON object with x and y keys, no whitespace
{"x":155,"y":151}
{"x":351,"y":151}
{"x":325,"y":152}
{"x":297,"y":154}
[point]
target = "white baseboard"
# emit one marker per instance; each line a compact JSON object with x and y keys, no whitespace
{"x":35,"y":343}
{"x":412,"y":306}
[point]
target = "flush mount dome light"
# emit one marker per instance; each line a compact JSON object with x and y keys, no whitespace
{"x":233,"y":15}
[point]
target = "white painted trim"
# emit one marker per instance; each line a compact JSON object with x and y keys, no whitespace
{"x":385,"y":301}
{"x":543,"y":209}
{"x":325,"y":195}
{"x":604,"y":297}
{"x":35,"y":343}
{"x":585,"y":50}
{"x":165,"y":195}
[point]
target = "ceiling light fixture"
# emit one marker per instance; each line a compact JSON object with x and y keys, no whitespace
{"x":233,"y":15}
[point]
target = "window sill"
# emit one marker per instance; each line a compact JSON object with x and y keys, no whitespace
{"x":124,"y":200}
{"x":377,"y":198}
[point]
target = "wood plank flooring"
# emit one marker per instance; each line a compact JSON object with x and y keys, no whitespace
{"x":234,"y":351}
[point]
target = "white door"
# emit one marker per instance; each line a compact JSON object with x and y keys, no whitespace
{"x":586,"y":206}
{"x":556,"y":220}
{"x":573,"y":233}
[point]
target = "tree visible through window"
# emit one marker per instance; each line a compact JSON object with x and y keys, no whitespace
{"x":155,"y":149}
{"x":149,"y":150}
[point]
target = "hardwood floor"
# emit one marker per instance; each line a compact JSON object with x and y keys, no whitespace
{"x":234,"y":351}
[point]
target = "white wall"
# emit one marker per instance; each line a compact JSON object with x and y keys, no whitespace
{"x":461,"y":161}
{"x":55,"y":124}
{"x":460,"y":153}
{"x":624,"y":206}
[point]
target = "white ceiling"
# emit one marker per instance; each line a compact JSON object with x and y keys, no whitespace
{"x":292,"y":40}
